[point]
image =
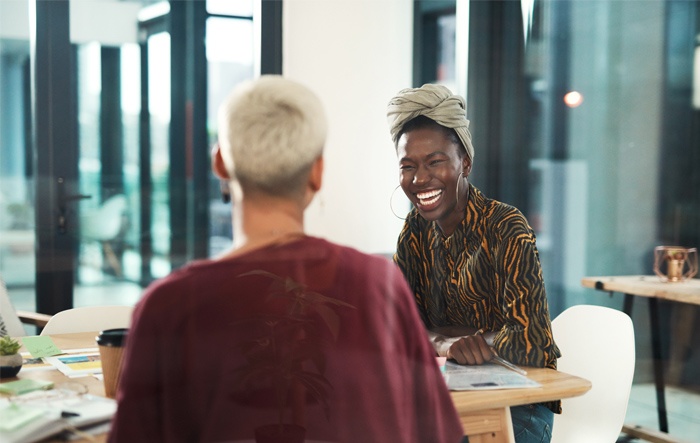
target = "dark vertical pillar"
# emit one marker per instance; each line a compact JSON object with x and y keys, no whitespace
{"x":177,"y":186}
{"x":197,"y":138}
{"x":483,"y":78}
{"x":56,"y":154}
{"x":561,"y":46}
{"x":111,"y":132}
{"x":557,"y":116}
{"x":271,"y":38}
{"x":497,"y":97}
{"x":28,"y":126}
{"x":513,"y":114}
{"x":679,"y":160}
{"x":145,"y":182}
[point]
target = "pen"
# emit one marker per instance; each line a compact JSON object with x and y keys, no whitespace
{"x":503,"y":362}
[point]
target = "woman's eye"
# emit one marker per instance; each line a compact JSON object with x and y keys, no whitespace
{"x":436,"y":162}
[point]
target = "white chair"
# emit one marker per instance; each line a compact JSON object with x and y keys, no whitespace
{"x":11,"y":320}
{"x":89,"y":318}
{"x":104,"y":225}
{"x":597,"y":343}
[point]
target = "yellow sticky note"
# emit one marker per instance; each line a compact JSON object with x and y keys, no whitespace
{"x":40,"y":346}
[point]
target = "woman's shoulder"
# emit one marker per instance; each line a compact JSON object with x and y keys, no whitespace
{"x":494,"y":208}
{"x":176,"y":281}
{"x":499,"y":214}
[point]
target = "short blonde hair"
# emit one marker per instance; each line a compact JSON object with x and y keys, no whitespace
{"x":270,"y":132}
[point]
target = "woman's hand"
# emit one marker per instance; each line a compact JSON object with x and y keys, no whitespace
{"x":470,"y":350}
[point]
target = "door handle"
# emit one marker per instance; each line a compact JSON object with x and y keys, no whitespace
{"x":63,"y":199}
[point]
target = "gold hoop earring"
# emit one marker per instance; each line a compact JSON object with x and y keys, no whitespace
{"x":459,"y":180}
{"x":391,"y":207}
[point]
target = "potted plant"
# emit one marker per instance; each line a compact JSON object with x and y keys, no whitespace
{"x":10,"y":360}
{"x":285,"y":361}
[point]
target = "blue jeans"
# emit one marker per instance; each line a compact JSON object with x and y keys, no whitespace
{"x":532,"y":423}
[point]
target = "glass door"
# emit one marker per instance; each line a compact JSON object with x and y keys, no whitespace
{"x":108,"y":133}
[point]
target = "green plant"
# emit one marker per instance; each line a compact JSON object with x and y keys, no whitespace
{"x":288,"y":353}
{"x":8,"y":345}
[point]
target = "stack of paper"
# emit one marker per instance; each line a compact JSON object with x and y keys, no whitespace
{"x":40,"y":414}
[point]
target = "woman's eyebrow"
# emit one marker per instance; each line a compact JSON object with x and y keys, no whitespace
{"x":431,"y":155}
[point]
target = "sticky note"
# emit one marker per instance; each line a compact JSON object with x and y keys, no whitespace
{"x":22,"y":386}
{"x":40,"y":346}
{"x":15,"y":416}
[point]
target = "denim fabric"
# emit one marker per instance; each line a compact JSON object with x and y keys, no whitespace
{"x":532,"y":423}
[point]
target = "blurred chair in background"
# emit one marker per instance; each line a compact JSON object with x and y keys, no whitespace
{"x":105,"y":225}
{"x":88,"y":319}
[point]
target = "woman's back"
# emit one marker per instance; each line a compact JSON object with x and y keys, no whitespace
{"x":305,"y":332}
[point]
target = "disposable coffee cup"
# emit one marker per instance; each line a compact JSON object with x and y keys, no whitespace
{"x":111,"y":342}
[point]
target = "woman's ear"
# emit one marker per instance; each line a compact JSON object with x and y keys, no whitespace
{"x":466,"y":166}
{"x":316,"y":175}
{"x":217,"y":163}
{"x":315,"y":181}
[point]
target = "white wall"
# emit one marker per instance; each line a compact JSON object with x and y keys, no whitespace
{"x":356,"y":54}
{"x":111,"y":22}
{"x":14,"y":19}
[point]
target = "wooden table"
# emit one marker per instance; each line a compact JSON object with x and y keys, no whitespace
{"x":94,"y":386}
{"x":485,"y":415}
{"x":653,"y":289}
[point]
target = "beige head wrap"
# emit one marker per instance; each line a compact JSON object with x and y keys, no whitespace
{"x":435,"y":102}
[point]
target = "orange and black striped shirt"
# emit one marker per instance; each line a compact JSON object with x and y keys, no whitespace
{"x":487,"y":274}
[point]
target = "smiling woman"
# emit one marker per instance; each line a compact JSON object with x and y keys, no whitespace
{"x":471,"y":261}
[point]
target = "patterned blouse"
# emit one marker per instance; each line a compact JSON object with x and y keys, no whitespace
{"x":486,"y":275}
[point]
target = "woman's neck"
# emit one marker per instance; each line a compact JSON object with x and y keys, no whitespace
{"x":265,"y":221}
{"x":457,"y":216}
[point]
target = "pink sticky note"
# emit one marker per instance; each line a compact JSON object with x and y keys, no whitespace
{"x":441,"y":362}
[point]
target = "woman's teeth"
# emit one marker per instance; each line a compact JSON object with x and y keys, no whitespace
{"x":428,"y":198}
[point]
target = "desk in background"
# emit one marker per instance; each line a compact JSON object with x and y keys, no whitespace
{"x":485,"y":415}
{"x":653,"y":289}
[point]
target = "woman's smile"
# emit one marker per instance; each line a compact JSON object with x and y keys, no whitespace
{"x":428,"y":200}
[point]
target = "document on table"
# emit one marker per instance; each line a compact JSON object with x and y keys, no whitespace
{"x":482,"y":377}
{"x":77,"y":365}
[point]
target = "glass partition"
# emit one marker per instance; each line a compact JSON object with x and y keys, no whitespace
{"x":17,"y":264}
{"x":159,"y":108}
{"x":229,"y":64}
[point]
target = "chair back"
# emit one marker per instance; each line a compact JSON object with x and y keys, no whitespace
{"x":104,"y":223}
{"x":596,"y":343}
{"x":10,"y":323}
{"x":89,"y":318}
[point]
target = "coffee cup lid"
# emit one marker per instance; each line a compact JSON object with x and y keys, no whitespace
{"x":112,"y":337}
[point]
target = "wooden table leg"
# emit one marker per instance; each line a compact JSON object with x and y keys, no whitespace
{"x":489,"y":426}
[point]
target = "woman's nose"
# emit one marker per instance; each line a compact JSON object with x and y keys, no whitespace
{"x":421,"y":176}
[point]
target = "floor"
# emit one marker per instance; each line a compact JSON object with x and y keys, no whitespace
{"x":683,"y":406}
{"x":683,"y":412}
